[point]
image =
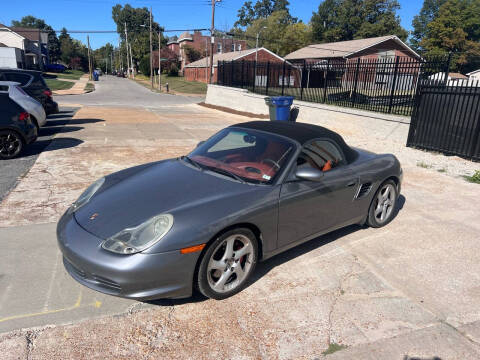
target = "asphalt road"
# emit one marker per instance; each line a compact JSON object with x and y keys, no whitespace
{"x":113,"y":91}
{"x":12,"y":170}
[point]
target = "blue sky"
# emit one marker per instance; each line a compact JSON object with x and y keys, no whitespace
{"x":172,"y":14}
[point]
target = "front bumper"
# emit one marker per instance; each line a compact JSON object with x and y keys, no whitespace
{"x":51,"y":107}
{"x":139,"y":276}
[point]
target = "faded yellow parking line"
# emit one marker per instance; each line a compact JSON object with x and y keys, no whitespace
{"x":77,"y":305}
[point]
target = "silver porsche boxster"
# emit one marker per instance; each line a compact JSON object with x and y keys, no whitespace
{"x":203,"y":221}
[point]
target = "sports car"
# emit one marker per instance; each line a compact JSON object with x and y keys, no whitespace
{"x":202,"y":222}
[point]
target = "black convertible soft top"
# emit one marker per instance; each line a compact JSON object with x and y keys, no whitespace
{"x":300,"y":132}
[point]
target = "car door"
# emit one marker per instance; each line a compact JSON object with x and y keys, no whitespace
{"x":308,"y":208}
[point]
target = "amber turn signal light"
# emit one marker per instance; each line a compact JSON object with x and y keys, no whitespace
{"x":192,"y":249}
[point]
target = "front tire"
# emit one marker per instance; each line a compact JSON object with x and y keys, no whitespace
{"x":227,"y":264}
{"x":382,"y":208}
{"x":11,"y":144}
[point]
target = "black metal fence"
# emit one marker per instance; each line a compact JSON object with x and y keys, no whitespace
{"x":382,"y":85}
{"x":446,"y":118}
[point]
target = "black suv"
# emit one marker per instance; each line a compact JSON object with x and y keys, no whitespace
{"x":16,"y":128}
{"x":33,"y":84}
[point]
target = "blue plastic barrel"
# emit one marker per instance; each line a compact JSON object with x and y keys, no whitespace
{"x":282,"y":105}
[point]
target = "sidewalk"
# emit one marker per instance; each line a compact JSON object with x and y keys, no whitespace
{"x":77,"y":89}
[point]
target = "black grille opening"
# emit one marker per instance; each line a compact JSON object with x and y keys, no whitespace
{"x":364,"y":190}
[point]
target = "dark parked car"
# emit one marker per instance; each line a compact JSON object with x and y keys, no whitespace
{"x":33,"y":84}
{"x":55,"y":68}
{"x":203,"y":221}
{"x":16,"y":128}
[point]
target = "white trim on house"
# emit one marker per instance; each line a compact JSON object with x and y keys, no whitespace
{"x":473,"y":72}
{"x":393,"y":37}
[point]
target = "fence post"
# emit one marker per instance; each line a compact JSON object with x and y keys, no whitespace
{"x":394,"y":83}
{"x":223,"y":73}
{"x":243,"y":63}
{"x":268,"y":78}
{"x":325,"y":82}
{"x":447,"y":70}
{"x":354,"y":95}
{"x":302,"y":78}
{"x":232,"y":75}
{"x":254,"y":75}
{"x":283,"y":78}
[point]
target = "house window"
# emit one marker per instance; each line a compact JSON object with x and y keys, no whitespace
{"x":386,"y":55}
{"x":219,"y":48}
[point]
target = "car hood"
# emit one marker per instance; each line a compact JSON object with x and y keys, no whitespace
{"x":130,"y":197}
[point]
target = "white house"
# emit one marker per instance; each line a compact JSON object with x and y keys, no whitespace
{"x":11,"y":57}
{"x":32,"y":43}
{"x":474,"y":75}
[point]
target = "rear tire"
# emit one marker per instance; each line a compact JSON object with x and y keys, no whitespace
{"x":382,"y":208}
{"x":227,"y":264}
{"x":11,"y":144}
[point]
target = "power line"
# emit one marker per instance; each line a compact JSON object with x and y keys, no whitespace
{"x":115,"y":31}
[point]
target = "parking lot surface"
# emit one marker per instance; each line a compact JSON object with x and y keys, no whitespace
{"x":12,"y":170}
{"x":408,"y":289}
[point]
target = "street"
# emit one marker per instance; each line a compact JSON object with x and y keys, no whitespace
{"x":114,"y":91}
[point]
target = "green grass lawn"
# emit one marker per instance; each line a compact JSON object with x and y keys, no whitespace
{"x":90,"y":86}
{"x":55,"y":84}
{"x":67,"y":74}
{"x":176,"y":84}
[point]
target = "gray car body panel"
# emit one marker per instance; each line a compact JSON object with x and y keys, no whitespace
{"x":286,"y":213}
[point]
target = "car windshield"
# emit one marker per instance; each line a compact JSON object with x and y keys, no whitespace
{"x":245,"y":155}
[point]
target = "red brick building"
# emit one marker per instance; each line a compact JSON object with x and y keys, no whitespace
{"x":201,"y":43}
{"x":198,"y":70}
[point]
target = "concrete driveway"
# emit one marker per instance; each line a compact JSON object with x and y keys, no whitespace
{"x":409,"y":289}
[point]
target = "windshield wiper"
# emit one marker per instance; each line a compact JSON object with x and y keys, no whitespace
{"x":191,"y":161}
{"x":226,"y":172}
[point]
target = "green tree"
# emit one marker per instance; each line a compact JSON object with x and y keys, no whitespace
{"x":278,"y":34}
{"x":138,"y":27}
{"x":262,"y":9}
{"x":102,"y":56}
{"x":427,"y":14}
{"x":53,"y":46}
{"x":456,"y":29}
{"x":339,"y":20}
{"x":192,"y":54}
{"x":73,"y":52}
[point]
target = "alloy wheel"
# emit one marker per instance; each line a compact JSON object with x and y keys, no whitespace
{"x":230,"y":263}
{"x":10,"y":144}
{"x":385,"y":203}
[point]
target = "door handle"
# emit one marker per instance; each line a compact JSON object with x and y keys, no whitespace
{"x":350,"y":184}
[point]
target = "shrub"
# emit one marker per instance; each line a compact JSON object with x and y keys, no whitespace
{"x":173,"y":71}
{"x":144,"y":65}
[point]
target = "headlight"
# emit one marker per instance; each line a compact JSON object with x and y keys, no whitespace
{"x":87,"y":195}
{"x":141,"y":237}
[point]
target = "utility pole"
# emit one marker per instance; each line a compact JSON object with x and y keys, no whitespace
{"x":111,"y":63}
{"x":151,"y":51}
{"x":212,"y":40}
{"x":126,"y":42}
{"x":206,"y":58}
{"x":160,"y":60}
{"x":131,"y":62}
{"x":89,"y":59}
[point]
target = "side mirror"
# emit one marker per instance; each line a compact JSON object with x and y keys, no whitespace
{"x":200,"y":143}
{"x":310,"y":174}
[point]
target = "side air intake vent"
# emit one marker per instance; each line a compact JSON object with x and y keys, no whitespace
{"x":364,"y":190}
